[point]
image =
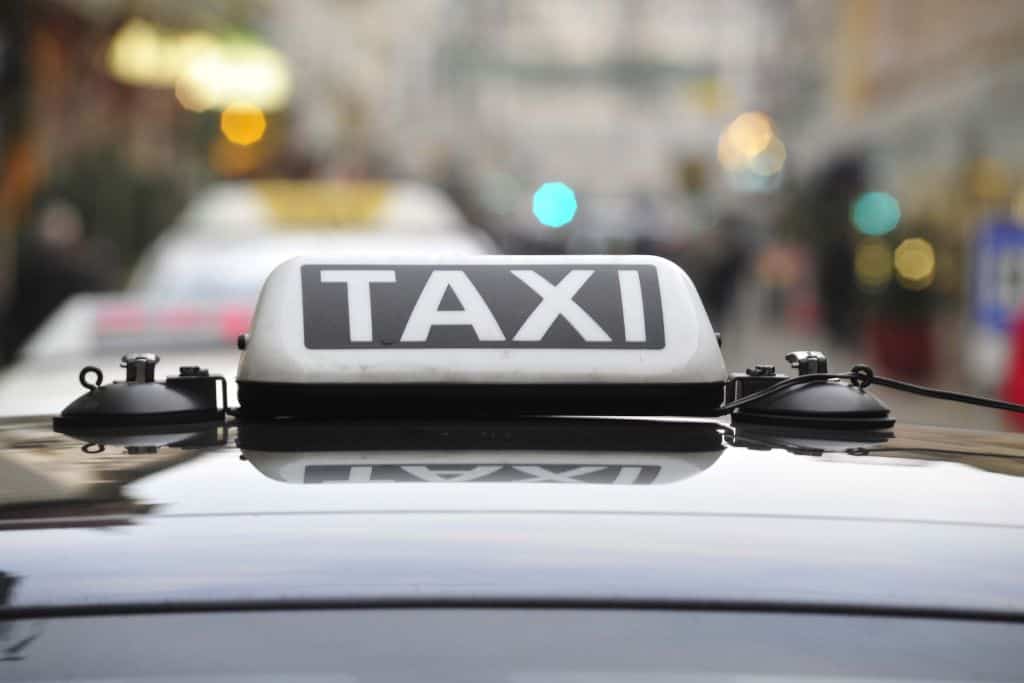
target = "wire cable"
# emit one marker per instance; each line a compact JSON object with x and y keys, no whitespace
{"x":782,"y":386}
{"x":862,"y":376}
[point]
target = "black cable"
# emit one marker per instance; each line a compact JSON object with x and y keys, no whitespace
{"x":982,"y":401}
{"x":781,"y":386}
{"x":862,"y":376}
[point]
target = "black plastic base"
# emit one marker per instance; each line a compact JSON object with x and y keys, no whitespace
{"x":818,"y":405}
{"x":462,"y":434}
{"x":265,"y":399}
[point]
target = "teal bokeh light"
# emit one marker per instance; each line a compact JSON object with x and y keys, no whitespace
{"x":554,"y":204}
{"x":875,"y":213}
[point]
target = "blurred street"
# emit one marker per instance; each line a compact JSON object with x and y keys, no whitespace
{"x":845,"y":176}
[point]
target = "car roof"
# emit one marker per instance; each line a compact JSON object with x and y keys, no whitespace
{"x":185,"y":266}
{"x":559,"y":509}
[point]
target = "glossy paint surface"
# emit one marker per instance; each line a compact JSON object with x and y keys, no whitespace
{"x":923,"y":518}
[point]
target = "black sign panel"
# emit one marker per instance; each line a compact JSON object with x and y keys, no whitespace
{"x":484,"y":306}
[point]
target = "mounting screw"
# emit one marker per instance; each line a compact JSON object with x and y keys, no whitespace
{"x":139,"y":367}
{"x":808,"y":362}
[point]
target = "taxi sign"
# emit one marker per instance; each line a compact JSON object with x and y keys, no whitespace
{"x":480,"y":334}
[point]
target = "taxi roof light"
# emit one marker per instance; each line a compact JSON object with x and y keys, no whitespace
{"x":480,"y":335}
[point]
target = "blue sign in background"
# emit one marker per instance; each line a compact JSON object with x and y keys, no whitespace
{"x":998,"y":274}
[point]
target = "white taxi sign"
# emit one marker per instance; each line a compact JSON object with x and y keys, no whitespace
{"x":347,"y":335}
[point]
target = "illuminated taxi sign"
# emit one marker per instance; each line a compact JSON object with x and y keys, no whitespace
{"x":327,"y":204}
{"x":493,"y":334}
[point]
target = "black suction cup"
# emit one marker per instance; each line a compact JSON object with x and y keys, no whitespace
{"x":825,"y":404}
{"x":140,"y":402}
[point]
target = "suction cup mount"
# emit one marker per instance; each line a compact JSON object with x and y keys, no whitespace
{"x":818,"y":404}
{"x":142,"y":403}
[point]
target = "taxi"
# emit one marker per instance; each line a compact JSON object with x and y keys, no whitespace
{"x":502,"y":468}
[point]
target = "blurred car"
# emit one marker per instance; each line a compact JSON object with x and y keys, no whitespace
{"x":233,"y":234}
{"x":95,"y":329}
{"x":195,"y":287}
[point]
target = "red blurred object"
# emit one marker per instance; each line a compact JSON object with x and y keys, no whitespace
{"x":119,"y":319}
{"x":1013,"y":387}
{"x":182,"y":318}
{"x":903,"y":348}
{"x":234,"y":320}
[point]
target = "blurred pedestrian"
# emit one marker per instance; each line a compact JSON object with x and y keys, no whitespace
{"x":54,"y":261}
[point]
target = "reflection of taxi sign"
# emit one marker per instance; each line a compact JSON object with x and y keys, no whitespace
{"x":576,"y":334}
{"x":619,"y":469}
{"x":515,"y":451}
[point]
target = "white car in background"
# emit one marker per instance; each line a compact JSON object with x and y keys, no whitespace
{"x":194,"y":289}
{"x":233,"y":234}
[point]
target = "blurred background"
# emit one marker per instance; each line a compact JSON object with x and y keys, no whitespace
{"x":845,"y":175}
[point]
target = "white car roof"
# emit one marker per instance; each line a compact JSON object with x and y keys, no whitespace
{"x":228,"y":267}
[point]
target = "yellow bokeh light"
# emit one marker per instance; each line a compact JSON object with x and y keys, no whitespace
{"x":914,"y":261}
{"x":751,"y":133}
{"x":194,"y":95}
{"x":750,"y":142}
{"x":730,"y":157}
{"x":872,"y":263}
{"x":135,"y":53}
{"x":207,"y":71}
{"x":235,"y":73}
{"x":243,"y":124}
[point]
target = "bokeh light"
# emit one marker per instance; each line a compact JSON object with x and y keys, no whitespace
{"x":750,"y":149}
{"x":750,"y":133}
{"x":875,"y":213}
{"x":235,"y":71}
{"x":135,"y":54}
{"x":243,"y":123}
{"x":197,"y":88}
{"x":914,"y":261}
{"x":207,"y":71}
{"x":872,"y":263}
{"x":554,"y":204}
